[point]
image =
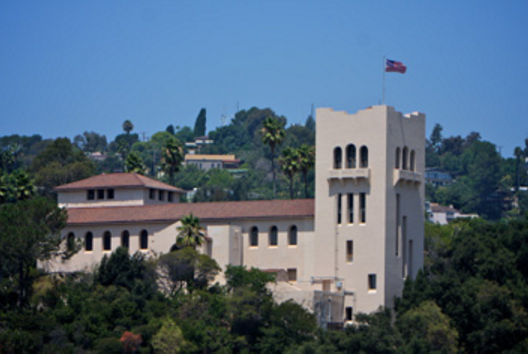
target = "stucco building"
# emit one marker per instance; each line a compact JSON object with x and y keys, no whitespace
{"x":348,"y":250}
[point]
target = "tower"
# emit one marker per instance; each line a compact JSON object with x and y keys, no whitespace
{"x":369,"y":204}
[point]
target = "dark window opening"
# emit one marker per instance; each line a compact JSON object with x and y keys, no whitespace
{"x":351,"y":156}
{"x":338,"y":158}
{"x":273,"y":236}
{"x":397,"y":162}
{"x":88,"y":242}
{"x":107,"y":241}
{"x":351,"y":208}
{"x":110,"y":194}
{"x":100,"y":193}
{"x":152,"y":193}
{"x":364,"y":157}
{"x":292,"y":274}
{"x":349,"y":313}
{"x":253,"y":237}
{"x":161,"y":195}
{"x":350,"y":251}
{"x":170,"y":196}
{"x":90,"y":195}
{"x":339,"y":209}
{"x":143,"y":240}
{"x":125,"y":239}
{"x":404,"y":158}
{"x":372,"y":282}
{"x":292,"y":236}
{"x":363,"y":207}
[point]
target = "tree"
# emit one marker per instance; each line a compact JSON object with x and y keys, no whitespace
{"x":190,"y":233}
{"x":172,"y":158}
{"x":289,"y":163}
{"x":518,"y":165}
{"x":310,"y":123}
{"x":169,"y":339}
{"x":25,"y":187}
{"x":128,"y":126}
{"x":199,"y":125}
{"x":134,"y":164}
{"x":436,"y":137}
{"x":272,"y":135}
{"x":170,"y":129}
{"x":306,"y":163}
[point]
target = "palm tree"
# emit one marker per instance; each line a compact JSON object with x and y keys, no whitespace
{"x":128,"y":126}
{"x":190,"y":233}
{"x":5,"y":189}
{"x":289,"y":163}
{"x":272,"y":135}
{"x":306,"y":163}
{"x":172,"y":158}
{"x":25,"y":188}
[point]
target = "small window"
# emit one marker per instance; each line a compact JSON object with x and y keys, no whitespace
{"x":88,"y":242}
{"x":350,"y":251}
{"x":152,"y":193}
{"x":70,"y":241}
{"x":363,"y":207}
{"x":107,"y":241}
{"x":397,"y":161}
{"x":338,"y":157}
{"x":349,"y":313}
{"x":292,"y":274}
{"x":253,"y":237}
{"x":161,"y":195}
{"x":100,"y":193}
{"x":109,"y":194}
{"x":350,"y":208}
{"x":143,"y":240}
{"x":351,"y":156}
{"x":292,"y":236}
{"x":364,"y":157}
{"x":404,"y":158}
{"x":90,"y":195}
{"x":273,"y":236}
{"x":170,"y":196}
{"x":411,"y":163}
{"x":372,"y":282}
{"x":339,"y":209}
{"x":125,"y":239}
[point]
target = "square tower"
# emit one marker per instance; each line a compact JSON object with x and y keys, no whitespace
{"x":369,"y":211}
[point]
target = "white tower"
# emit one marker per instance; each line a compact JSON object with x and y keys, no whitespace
{"x":369,"y":210}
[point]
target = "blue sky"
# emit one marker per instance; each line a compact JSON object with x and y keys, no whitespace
{"x":69,"y":66}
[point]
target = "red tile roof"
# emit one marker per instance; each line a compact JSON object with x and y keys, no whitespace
{"x":118,"y":180}
{"x":214,"y":211}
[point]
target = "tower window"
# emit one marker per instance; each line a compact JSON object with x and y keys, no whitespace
{"x":107,"y":241}
{"x":350,"y":208}
{"x":143,"y":240}
{"x":338,"y":157}
{"x":350,"y":251}
{"x":100,"y":193}
{"x":404,"y":157}
{"x":253,"y":237}
{"x":339,"y":209}
{"x":152,"y":193}
{"x":397,"y":161}
{"x":412,"y":163}
{"x":292,"y":236}
{"x":90,"y":194}
{"x":88,"y":242}
{"x":125,"y":239}
{"x":364,"y":157}
{"x":110,"y":194}
{"x":273,"y":238}
{"x":351,"y":156}
{"x":363,"y":207}
{"x":372,"y":282}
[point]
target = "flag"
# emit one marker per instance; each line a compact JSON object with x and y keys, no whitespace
{"x":392,"y":66}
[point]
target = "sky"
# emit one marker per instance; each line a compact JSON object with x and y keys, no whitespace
{"x":69,"y":66}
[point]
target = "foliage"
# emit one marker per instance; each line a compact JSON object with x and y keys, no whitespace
{"x":128,"y":126}
{"x":190,"y":233}
{"x":272,"y":135}
{"x":172,"y":158}
{"x":91,"y":142}
{"x":289,"y":163}
{"x":199,"y":125}
{"x":134,"y":164}
{"x":170,"y":339}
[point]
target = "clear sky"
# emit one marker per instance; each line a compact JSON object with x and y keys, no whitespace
{"x":72,"y":66}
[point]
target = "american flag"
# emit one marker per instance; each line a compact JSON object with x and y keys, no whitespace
{"x":392,"y":66}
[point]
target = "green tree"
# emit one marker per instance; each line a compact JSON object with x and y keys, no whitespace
{"x":25,"y":187}
{"x":172,"y":158}
{"x":170,"y":340}
{"x":518,"y":166}
{"x":289,"y":163}
{"x":310,"y":123}
{"x":199,"y":125}
{"x":306,"y":163}
{"x":272,"y":135}
{"x":190,"y":233}
{"x":134,"y":164}
{"x":128,"y":126}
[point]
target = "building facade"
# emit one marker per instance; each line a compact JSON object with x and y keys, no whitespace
{"x":348,"y":250}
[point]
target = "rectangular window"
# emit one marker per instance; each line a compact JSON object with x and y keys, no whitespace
{"x":90,"y":195}
{"x":109,"y":194}
{"x":404,"y":242}
{"x":349,"y":313}
{"x":152,"y":193}
{"x":100,"y":193}
{"x":170,"y":196}
{"x":350,"y":208}
{"x":161,"y":195}
{"x":292,"y":274}
{"x":363,"y":207}
{"x":372,"y":281}
{"x":349,"y":251}
{"x":397,"y":225}
{"x":410,"y":267}
{"x":339,"y":209}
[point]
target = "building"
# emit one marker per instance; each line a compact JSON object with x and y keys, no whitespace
{"x":437,"y":177}
{"x":207,"y":162}
{"x":443,"y":215}
{"x":199,"y":142}
{"x":348,"y":250}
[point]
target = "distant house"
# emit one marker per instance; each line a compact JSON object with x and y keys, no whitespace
{"x":437,"y":177}
{"x":443,"y":215}
{"x":207,"y":162}
{"x":194,"y":147}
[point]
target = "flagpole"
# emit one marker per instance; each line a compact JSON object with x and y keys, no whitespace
{"x":384,"y":60}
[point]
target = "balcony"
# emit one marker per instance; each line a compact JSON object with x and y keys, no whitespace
{"x":351,"y":174}
{"x":408,"y":177}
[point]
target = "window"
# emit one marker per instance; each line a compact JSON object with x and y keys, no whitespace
{"x":143,"y":240}
{"x":397,"y":162}
{"x":350,"y":208}
{"x":363,"y":207}
{"x":125,"y":239}
{"x":88,"y":242}
{"x":338,"y":158}
{"x":273,"y":238}
{"x":398,"y":225}
{"x":350,"y":251}
{"x":100,"y":193}
{"x":410,"y":266}
{"x":90,"y":194}
{"x":349,"y":313}
{"x":351,"y":156}
{"x":292,"y":236}
{"x":109,"y":194}
{"x":411,"y":164}
{"x":403,"y":243}
{"x":372,"y":281}
{"x":170,"y":196}
{"x":161,"y":195}
{"x":404,"y":158}
{"x":253,"y":237}
{"x":292,"y":274}
{"x":364,"y":157}
{"x":339,"y":209}
{"x":152,"y":193}
{"x":70,"y":241}
{"x":107,"y":241}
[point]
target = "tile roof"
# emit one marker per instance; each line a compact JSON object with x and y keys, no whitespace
{"x":210,"y":157}
{"x":116,"y":180}
{"x":213,"y":211}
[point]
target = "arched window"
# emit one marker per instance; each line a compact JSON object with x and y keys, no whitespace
{"x":107,"y":241}
{"x":338,"y":158}
{"x":411,"y":164}
{"x":253,"y":237}
{"x":398,"y":156}
{"x":292,"y":236}
{"x":143,"y":240}
{"x":88,"y":242}
{"x":273,"y":236}
{"x":125,"y":239}
{"x":364,"y":157}
{"x":70,"y":241}
{"x":404,"y":158}
{"x":351,"y":156}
